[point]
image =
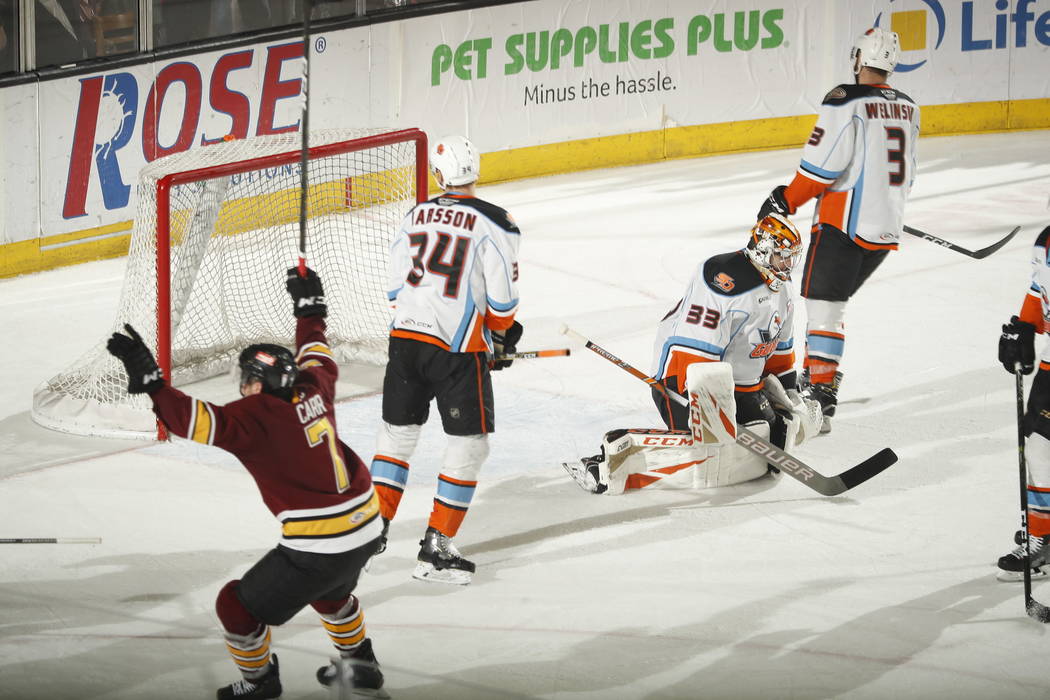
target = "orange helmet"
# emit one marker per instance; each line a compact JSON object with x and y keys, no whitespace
{"x":774,"y":249}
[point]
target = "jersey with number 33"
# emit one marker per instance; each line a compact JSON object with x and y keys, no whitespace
{"x":860,"y":161}
{"x":454,"y":273}
{"x":728,"y":314}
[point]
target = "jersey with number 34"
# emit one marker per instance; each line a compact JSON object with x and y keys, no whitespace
{"x":454,"y":273}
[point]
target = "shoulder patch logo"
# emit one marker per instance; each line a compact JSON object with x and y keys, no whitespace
{"x":889,"y":94}
{"x":724,"y":282}
{"x":836,"y":94}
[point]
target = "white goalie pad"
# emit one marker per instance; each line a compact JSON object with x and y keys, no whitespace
{"x":806,"y":416}
{"x":712,"y":406}
{"x":646,"y":459}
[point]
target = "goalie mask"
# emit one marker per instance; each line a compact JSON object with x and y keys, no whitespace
{"x":774,"y":249}
{"x":273,"y":365}
{"x":457,"y":161}
{"x":876,"y":48}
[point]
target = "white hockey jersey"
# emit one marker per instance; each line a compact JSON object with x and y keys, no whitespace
{"x":1036,"y":306}
{"x":453,"y":273}
{"x":860,"y":161}
{"x":728,"y":314}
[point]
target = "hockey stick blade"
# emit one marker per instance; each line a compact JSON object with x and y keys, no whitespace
{"x":1038,"y":611}
{"x":797,"y":469}
{"x":976,"y":254}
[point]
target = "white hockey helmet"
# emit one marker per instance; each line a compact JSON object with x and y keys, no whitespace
{"x":876,"y":48}
{"x":457,"y":161}
{"x":774,"y":249}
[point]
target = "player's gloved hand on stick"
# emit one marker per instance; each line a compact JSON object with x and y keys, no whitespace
{"x":775,"y":203}
{"x":1017,"y":346}
{"x":307,"y":293}
{"x":505,"y":342}
{"x":144,"y":376}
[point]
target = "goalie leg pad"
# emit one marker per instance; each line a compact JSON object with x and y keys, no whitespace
{"x":640,"y":458}
{"x":734,"y":463}
{"x":712,"y":403}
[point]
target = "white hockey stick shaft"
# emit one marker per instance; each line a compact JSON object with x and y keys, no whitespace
{"x":50,"y":540}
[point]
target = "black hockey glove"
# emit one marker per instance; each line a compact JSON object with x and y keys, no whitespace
{"x":775,"y":203}
{"x":307,"y":293}
{"x":144,"y":375}
{"x":1017,"y":346}
{"x":505,"y":342}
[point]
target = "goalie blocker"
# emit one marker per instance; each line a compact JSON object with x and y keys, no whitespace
{"x":707,"y":455}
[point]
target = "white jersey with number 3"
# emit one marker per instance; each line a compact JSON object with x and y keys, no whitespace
{"x":453,"y":273}
{"x":860,"y":160}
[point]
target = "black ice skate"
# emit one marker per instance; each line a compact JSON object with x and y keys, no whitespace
{"x":825,"y":394}
{"x":269,"y":686}
{"x":356,"y":675}
{"x":1011,"y":566}
{"x":440,"y":561}
{"x":586,"y":474}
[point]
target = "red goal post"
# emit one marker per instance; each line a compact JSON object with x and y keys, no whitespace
{"x":215,"y":229}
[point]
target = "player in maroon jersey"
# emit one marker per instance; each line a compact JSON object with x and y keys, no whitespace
{"x":283,"y":432}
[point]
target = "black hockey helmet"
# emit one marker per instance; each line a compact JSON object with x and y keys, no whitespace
{"x":273,"y":365}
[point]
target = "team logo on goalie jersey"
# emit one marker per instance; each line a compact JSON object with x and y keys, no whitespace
{"x":724,"y":282}
{"x":768,"y":338}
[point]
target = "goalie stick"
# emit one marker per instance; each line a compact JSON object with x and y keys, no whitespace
{"x":792,"y":466}
{"x":1035,"y":609}
{"x":978,"y":254}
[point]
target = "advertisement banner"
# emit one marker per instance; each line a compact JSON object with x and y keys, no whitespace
{"x":548,"y":85}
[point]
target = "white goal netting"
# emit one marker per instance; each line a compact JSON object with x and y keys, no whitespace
{"x":233,"y":226}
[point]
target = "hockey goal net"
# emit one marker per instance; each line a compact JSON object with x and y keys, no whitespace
{"x":215,"y":229}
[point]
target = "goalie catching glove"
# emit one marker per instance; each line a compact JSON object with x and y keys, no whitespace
{"x":1017,"y":346}
{"x":505,"y":342}
{"x":307,"y":293}
{"x":144,"y":376}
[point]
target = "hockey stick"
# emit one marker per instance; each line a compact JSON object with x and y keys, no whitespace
{"x":792,"y":466}
{"x":304,"y":181}
{"x":978,"y":254}
{"x":1035,"y":609}
{"x":533,"y":354}
{"x":50,"y":540}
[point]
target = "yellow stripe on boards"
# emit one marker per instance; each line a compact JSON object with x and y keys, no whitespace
{"x":49,"y":252}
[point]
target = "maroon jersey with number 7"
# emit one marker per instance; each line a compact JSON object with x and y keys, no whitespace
{"x":312,"y":482}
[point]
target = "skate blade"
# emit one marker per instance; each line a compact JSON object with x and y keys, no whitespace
{"x":1015,"y":576}
{"x":581,"y":476}
{"x":427,"y":572}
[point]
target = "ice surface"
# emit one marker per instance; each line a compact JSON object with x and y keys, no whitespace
{"x":762,"y":590}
